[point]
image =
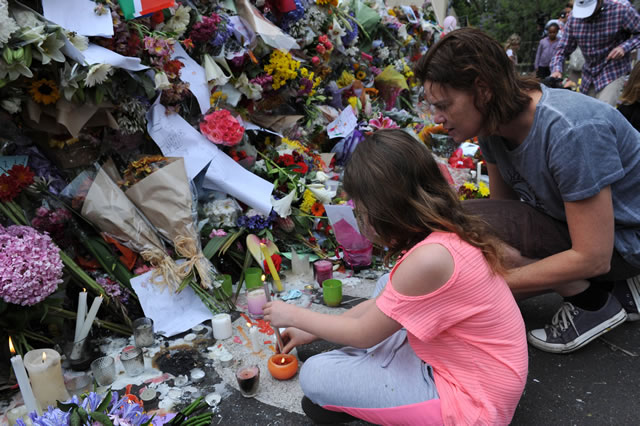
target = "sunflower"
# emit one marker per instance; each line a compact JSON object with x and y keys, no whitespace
{"x":44,"y":91}
{"x":361,"y":75}
{"x":317,"y":209}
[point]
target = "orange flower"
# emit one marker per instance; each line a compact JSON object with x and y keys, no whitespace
{"x":317,"y":209}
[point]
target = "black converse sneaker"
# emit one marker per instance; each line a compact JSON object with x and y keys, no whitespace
{"x":571,"y":327}
{"x":628,"y":294}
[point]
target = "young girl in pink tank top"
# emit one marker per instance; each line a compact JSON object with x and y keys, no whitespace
{"x":443,"y":342}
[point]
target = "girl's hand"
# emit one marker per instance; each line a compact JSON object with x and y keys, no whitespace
{"x":279,"y":314}
{"x":295,"y":337}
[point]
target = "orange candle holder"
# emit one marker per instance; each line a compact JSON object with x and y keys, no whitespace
{"x":283,"y":366}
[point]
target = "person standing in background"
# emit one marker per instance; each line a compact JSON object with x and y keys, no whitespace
{"x":545,"y":52}
{"x":630,"y":99}
{"x":606,"y":31}
{"x":511,"y":47}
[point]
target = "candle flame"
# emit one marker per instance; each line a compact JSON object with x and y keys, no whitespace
{"x":44,"y":356}
{"x":249,"y":325}
{"x":282,"y":360}
{"x":263,"y":277}
{"x":84,"y":290}
{"x":11,"y":348}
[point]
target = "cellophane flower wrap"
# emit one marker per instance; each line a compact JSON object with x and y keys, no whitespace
{"x":30,"y":265}
{"x":165,"y":198}
{"x":222,"y":128}
{"x":97,"y":197}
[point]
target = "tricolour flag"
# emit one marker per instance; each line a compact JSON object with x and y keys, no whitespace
{"x":134,"y":8}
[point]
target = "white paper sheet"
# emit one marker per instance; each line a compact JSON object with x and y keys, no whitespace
{"x":176,"y":138}
{"x":343,"y":125}
{"x":171,"y":313}
{"x":95,"y":54}
{"x":193,"y":74}
{"x":78,"y":16}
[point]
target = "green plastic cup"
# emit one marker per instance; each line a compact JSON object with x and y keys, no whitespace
{"x":332,"y":292}
{"x":252,"y":278}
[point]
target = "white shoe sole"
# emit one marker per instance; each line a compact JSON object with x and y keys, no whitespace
{"x":634,"y":287}
{"x":583,"y":339}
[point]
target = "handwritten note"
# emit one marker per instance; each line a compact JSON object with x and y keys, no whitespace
{"x":343,"y":125}
{"x":78,"y":16}
{"x":171,"y":313}
{"x":176,"y":138}
{"x":8,"y":161}
{"x":193,"y":73}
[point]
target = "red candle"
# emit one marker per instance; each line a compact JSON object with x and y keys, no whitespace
{"x":283,"y":366}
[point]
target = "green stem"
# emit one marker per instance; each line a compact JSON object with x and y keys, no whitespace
{"x":117,"y":328}
{"x":280,"y":169}
{"x":8,"y":214}
{"x":34,"y":336}
{"x":81,"y":275}
{"x":17,"y":211}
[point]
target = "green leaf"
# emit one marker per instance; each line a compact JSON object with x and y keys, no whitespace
{"x":101,"y":417}
{"x":75,"y":419}
{"x":84,"y":416}
{"x":105,"y":402}
{"x":185,"y":282}
{"x":99,"y":94}
{"x":66,"y":407}
{"x":214,"y":245}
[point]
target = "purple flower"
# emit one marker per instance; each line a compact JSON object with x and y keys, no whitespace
{"x":30,"y":265}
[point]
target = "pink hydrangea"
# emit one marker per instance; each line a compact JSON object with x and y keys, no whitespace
{"x":30,"y":265}
{"x":220,"y":127}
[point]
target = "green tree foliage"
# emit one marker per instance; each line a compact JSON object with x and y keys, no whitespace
{"x":501,"y":18}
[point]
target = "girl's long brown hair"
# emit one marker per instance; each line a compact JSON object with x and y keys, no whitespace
{"x":631,"y":93}
{"x":406,"y":198}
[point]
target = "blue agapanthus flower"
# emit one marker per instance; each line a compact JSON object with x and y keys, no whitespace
{"x":350,"y":36}
{"x":257,"y":222}
{"x":290,"y":18}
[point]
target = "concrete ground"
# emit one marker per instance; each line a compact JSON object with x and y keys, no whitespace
{"x":598,"y":385}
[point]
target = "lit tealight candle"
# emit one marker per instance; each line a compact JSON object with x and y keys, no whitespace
{"x":283,"y":366}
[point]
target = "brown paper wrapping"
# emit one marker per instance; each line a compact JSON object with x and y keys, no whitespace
{"x":108,"y":208}
{"x":164,"y":197}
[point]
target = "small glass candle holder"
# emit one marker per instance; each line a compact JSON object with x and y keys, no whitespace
{"x":324,"y":271}
{"x":132,"y":360}
{"x":256,"y":299}
{"x":143,"y":332}
{"x":221,"y":324}
{"x":248,"y":380}
{"x":104,"y":370}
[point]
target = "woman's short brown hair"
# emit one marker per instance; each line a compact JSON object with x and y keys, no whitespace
{"x":631,"y":92}
{"x":467,"y":55}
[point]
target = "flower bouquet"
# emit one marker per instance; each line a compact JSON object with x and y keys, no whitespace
{"x":95,"y":195}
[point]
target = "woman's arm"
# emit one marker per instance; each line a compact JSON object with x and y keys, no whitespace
{"x":498,"y":188}
{"x":591,"y":226}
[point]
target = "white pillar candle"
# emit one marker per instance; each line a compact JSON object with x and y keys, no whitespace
{"x":254,"y":336}
{"x":221,"y":324}
{"x":45,"y":373}
{"x":478,"y":172}
{"x":81,"y":314}
{"x":90,"y":317}
{"x":23,"y":381}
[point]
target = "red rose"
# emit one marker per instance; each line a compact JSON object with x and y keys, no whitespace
{"x":277,"y":262}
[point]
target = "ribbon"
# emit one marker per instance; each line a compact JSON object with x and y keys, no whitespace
{"x":188,"y":248}
{"x":164,"y":266}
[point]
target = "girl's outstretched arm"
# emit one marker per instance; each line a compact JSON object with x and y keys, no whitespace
{"x":364,"y":331}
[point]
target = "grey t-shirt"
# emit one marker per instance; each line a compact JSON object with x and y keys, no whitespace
{"x":577,"y":146}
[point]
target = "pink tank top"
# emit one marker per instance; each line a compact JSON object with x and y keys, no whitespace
{"x":471,"y":332}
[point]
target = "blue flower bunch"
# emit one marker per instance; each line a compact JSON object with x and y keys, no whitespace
{"x":350,"y":36}
{"x":255,"y":222}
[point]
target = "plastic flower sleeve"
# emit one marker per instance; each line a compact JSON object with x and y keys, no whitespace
{"x":164,"y":197}
{"x":97,"y":197}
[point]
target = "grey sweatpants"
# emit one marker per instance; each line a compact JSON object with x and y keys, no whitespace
{"x":388,"y":374}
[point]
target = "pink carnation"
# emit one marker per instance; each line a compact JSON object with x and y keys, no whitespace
{"x":220,"y":127}
{"x":30,"y":265}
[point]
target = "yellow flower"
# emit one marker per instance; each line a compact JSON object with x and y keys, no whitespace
{"x":483,"y":189}
{"x":470,"y":186}
{"x":391,"y":12}
{"x":327,"y":2}
{"x":345,"y":79}
{"x":361,"y":75}
{"x":294,"y":144}
{"x":282,"y":67}
{"x":354,"y":101}
{"x":308,"y":200}
{"x":216,"y":96}
{"x":44,"y":91}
